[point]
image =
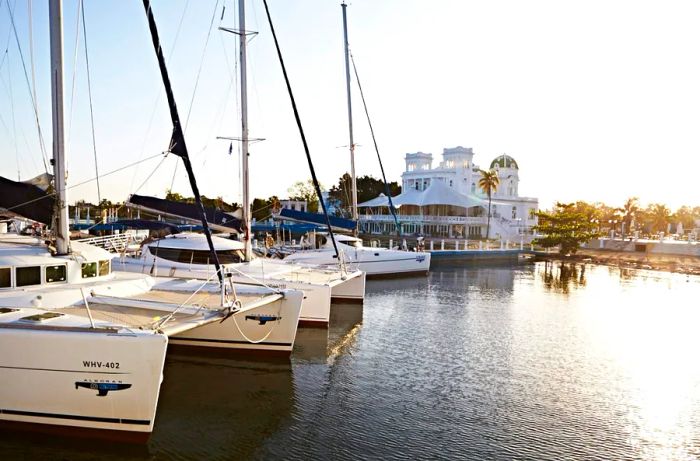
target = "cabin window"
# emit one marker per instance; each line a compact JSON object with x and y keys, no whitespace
{"x":89,"y":270}
{"x":198,"y":256}
{"x":5,"y":277}
{"x":28,"y":276}
{"x":103,"y":267}
{"x":55,"y":273}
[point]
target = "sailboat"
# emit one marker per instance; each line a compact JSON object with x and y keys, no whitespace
{"x":63,"y":372}
{"x":185,"y":255}
{"x":376,"y":262}
{"x":83,"y":346}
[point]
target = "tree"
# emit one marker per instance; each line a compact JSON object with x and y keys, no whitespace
{"x":488,"y":183}
{"x":658,"y":216}
{"x":685,"y":216}
{"x":567,"y":226}
{"x":368,"y":188}
{"x":305,"y":190}
{"x":629,"y":213}
{"x":263,"y":208}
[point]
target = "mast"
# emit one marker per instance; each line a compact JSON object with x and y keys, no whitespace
{"x":352,"y":141}
{"x":177,"y":142}
{"x":59,"y":160}
{"x":244,"y":131}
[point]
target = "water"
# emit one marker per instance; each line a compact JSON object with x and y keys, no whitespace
{"x":512,"y":363}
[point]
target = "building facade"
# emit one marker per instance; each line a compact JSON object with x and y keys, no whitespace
{"x":446,"y":200}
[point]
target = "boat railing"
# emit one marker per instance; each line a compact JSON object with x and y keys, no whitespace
{"x":116,"y":243}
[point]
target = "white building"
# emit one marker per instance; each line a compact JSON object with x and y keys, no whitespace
{"x":446,"y":200}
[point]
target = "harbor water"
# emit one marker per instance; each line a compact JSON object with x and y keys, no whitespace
{"x":542,"y":361}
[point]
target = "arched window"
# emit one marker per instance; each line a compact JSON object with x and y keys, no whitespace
{"x":450,"y":183}
{"x":515,"y":212}
{"x":473,"y":188}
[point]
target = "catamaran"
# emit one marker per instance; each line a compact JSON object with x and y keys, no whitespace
{"x":85,"y":346}
{"x":186,"y":255}
{"x":376,"y":262}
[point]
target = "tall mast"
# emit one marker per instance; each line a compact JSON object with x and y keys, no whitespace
{"x":244,"y":130}
{"x":59,"y":159}
{"x":352,"y":141}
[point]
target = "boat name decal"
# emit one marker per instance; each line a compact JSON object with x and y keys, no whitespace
{"x":420,"y":258}
{"x":103,"y":387}
{"x":94,"y":364}
{"x":262,"y":319}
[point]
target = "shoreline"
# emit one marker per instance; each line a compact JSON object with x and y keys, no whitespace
{"x":689,"y":265}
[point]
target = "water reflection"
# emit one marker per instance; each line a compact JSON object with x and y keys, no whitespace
{"x":320,"y":345}
{"x":219,"y":407}
{"x":532,"y":361}
{"x":562,"y":276}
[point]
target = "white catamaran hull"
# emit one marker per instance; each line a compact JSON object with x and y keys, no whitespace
{"x":267,"y":327}
{"x":375,"y":262}
{"x":79,"y":380}
{"x":351,"y":290}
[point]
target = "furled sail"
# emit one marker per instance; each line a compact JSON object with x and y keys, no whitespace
{"x":318,"y":219}
{"x":26,"y":200}
{"x":217,"y":219}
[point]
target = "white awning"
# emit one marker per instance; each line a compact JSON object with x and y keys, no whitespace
{"x":438,"y":193}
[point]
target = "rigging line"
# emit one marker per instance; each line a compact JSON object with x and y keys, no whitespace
{"x":89,"y":85}
{"x":376,"y":148}
{"x":301,"y":133}
{"x":26,"y":77}
{"x":31,"y":50}
{"x":75,"y":72}
{"x":201,"y":64}
{"x":14,"y":125}
{"x":159,"y":95}
{"x":53,"y":194}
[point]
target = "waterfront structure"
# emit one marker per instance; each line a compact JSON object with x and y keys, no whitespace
{"x":446,"y":201}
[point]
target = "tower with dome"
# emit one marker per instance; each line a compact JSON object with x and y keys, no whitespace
{"x":445,"y":200}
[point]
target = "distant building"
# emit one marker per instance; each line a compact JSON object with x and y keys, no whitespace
{"x":446,"y":201}
{"x":297,"y":205}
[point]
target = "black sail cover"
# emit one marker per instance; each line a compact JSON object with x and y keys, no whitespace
{"x":216,"y":218}
{"x":26,"y":200}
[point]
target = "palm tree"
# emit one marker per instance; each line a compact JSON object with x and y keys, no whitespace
{"x":629,"y":210}
{"x":660,"y":216}
{"x":488,"y":183}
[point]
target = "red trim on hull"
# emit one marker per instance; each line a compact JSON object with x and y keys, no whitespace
{"x":396,"y":275}
{"x":341,"y":300}
{"x":112,"y":435}
{"x":313,"y":323}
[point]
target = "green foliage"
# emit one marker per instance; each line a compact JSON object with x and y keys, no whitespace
{"x":305,"y":190}
{"x":368,"y":187}
{"x":217,"y":202}
{"x":567,"y":226}
{"x":263,"y":208}
{"x":488,"y":183}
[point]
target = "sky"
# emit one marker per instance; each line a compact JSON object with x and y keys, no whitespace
{"x":596,"y":100}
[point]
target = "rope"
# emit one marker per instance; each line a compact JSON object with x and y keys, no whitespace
{"x":301,"y":131}
{"x":82,"y":183}
{"x":155,"y":103}
{"x":235,"y":322}
{"x":201,"y":64}
{"x":26,"y":78}
{"x":376,"y":148}
{"x":73,"y":79}
{"x":89,"y":85}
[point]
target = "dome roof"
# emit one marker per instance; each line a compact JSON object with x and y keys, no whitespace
{"x":504,"y":161}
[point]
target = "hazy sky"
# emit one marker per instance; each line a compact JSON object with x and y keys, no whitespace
{"x":596,"y":100}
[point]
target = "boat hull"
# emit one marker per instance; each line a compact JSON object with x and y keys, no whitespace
{"x":351,"y":290}
{"x":374,"y":262}
{"x":267,"y":328}
{"x":82,"y":383}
